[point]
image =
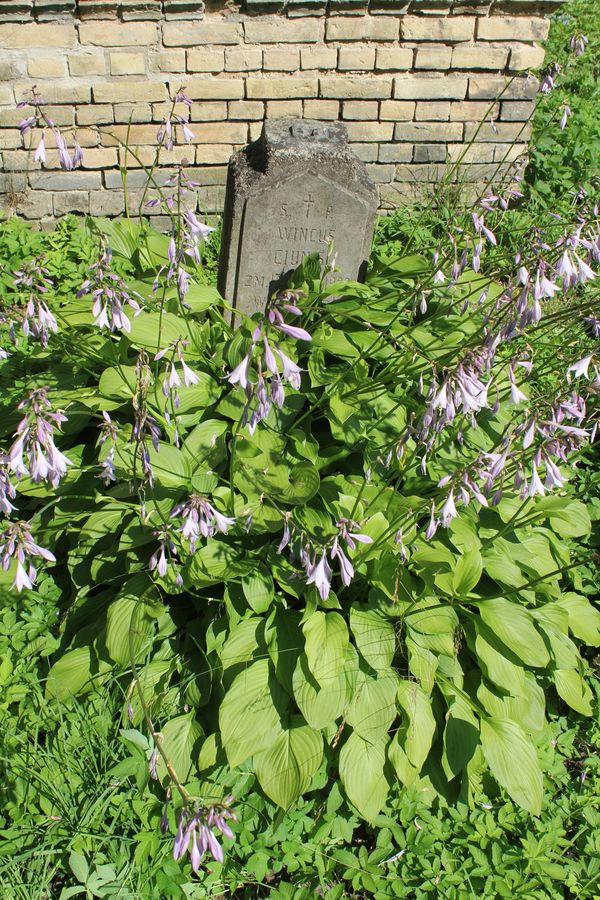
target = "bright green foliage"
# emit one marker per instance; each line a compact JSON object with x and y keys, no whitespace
{"x":426,"y":673}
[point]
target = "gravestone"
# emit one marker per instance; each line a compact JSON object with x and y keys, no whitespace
{"x":297,"y":190}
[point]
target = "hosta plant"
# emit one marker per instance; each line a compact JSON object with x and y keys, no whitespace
{"x":331,"y":542}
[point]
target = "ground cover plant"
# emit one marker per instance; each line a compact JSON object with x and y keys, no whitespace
{"x":303,"y":604}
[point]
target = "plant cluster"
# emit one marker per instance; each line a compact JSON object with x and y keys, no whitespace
{"x":338,"y":548}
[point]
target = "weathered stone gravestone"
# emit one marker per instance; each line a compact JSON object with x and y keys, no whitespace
{"x":297,"y":190}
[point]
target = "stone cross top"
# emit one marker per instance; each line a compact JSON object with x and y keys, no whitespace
{"x":297,"y":190}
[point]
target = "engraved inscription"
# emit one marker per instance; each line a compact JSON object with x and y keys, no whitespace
{"x":289,"y":219}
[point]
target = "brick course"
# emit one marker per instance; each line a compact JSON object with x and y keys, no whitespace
{"x":412,"y":85}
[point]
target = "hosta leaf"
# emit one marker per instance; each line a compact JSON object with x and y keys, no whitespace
{"x":514,"y":626}
{"x":461,"y":737}
{"x":494,"y":662}
{"x":584,"y":620}
{"x":373,"y":706}
{"x":320,"y":704}
{"x":374,"y":636}
{"x":181,"y":738}
{"x":573,"y":690}
{"x":362,"y":772}
{"x":124,"y":635}
{"x":258,"y":589}
{"x":326,"y":642}
{"x":418,"y":732}
{"x":513,"y":762}
{"x":528,"y":710}
{"x":404,"y":769}
{"x":71,"y":675}
{"x":467,"y":572}
{"x":286,"y":768}
{"x":248,"y":718}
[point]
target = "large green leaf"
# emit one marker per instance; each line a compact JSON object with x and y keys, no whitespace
{"x":373,"y":706}
{"x":181,"y":739}
{"x":527,"y":710}
{"x":71,"y":675}
{"x":492,"y":656}
{"x":573,"y":690}
{"x":362,"y":772}
{"x":122,"y":635}
{"x":320,"y":704}
{"x":467,"y":572}
{"x":461,"y":737}
{"x":420,"y":728}
{"x":286,"y":768}
{"x":374,"y":636}
{"x":248,"y":718}
{"x":513,"y":762}
{"x":258,"y":589}
{"x":514,"y":626}
{"x":326,"y":642}
{"x":584,"y":619}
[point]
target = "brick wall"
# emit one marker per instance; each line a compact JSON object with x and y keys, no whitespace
{"x":412,"y":80}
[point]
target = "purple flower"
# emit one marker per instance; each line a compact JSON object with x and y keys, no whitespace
{"x":17,"y":544}
{"x":240,"y":373}
{"x":200,"y":517}
{"x":581,"y":367}
{"x":320,"y":576}
{"x":33,"y":451}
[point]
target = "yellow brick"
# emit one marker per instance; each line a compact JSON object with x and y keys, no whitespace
{"x":118,"y":34}
{"x":243,"y":59}
{"x":397,"y":110}
{"x":500,"y":132}
{"x":136,"y":134}
{"x":517,"y":110}
{"x":134,"y":112}
{"x":481,"y":56}
{"x":437,"y":28}
{"x":360,"y":109}
{"x":428,"y":132}
{"x":432,"y":111}
{"x":7,"y":96}
{"x":167,"y":61}
{"x":278,"y":59}
{"x":430,"y":87}
{"x":435,"y":56}
{"x":512,"y":28}
{"x":130,"y":91}
{"x":47,"y":66}
{"x":213,"y":88}
{"x":370,"y":131}
{"x":207,"y":154}
{"x":221,"y":132}
{"x":195,"y":34}
{"x":254,"y":131}
{"x":277,"y":30}
{"x":394,"y":58}
{"x":318,"y":58}
{"x":91,"y":62}
{"x":524,"y":57}
{"x":326,"y":110}
{"x":472,"y":111}
{"x":284,"y":88}
{"x":279,"y":109}
{"x":22,"y":36}
{"x":474,"y":153}
{"x":53,"y":92}
{"x":95,"y":114}
{"x":246,"y":109}
{"x":209,"y":112}
{"x":206,"y":60}
{"x":363,"y":28}
{"x":356,"y":58}
{"x":359,"y":87}
{"x":127,"y":63}
{"x":100,"y":158}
